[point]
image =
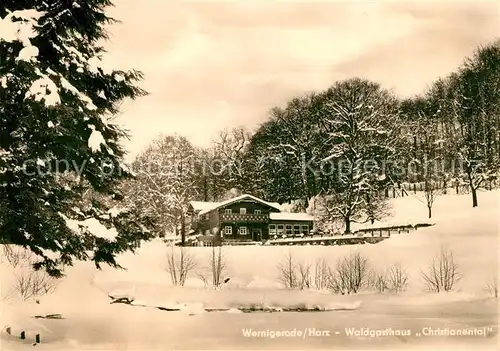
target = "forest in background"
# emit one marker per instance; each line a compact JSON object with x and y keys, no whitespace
{"x":341,"y":148}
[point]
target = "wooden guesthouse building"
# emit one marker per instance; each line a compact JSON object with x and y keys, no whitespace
{"x":245,"y":218}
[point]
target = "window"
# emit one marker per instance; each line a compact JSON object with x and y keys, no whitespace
{"x":228,"y":211}
{"x":243,"y":210}
{"x":206,"y":217}
{"x":288,"y":229}
{"x":272,"y":229}
{"x":305,"y":229}
{"x":296,"y":230}
{"x":228,"y":230}
{"x":258,"y":212}
{"x":280,"y":229}
{"x":243,"y":231}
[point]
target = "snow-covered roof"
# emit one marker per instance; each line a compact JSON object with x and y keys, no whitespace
{"x":274,"y":205}
{"x":202,"y":205}
{"x":287,"y":216}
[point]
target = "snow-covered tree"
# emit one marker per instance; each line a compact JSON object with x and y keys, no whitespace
{"x":425,"y":149}
{"x":57,"y":139}
{"x":227,"y":164}
{"x":166,"y":182}
{"x":269,"y":170}
{"x":362,"y":124}
{"x":285,"y":153}
{"x":298,"y":141}
{"x":475,"y":92}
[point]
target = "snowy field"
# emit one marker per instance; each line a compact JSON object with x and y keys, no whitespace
{"x":91,"y":322}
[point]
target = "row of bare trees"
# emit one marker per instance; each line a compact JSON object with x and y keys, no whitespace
{"x":353,"y":273}
{"x":181,"y":262}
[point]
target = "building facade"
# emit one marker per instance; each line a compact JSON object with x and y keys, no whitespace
{"x":247,"y":218}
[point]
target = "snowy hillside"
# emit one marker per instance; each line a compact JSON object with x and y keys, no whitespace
{"x":82,"y":297}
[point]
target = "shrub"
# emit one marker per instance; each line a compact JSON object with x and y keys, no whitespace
{"x":287,"y":272}
{"x":304,"y":274}
{"x":179,"y":265}
{"x":322,"y":274}
{"x":350,"y":275}
{"x":379,"y":282}
{"x":397,"y":278}
{"x":492,"y":286}
{"x":28,"y":283}
{"x":16,"y":255}
{"x":443,"y":273}
{"x":217,"y":266}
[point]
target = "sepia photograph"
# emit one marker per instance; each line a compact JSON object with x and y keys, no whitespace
{"x":249,"y":175}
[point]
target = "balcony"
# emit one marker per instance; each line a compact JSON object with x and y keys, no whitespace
{"x":248,"y":217}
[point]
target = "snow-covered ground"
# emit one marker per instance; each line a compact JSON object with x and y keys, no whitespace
{"x":91,"y":322}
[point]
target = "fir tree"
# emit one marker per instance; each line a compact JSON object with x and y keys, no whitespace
{"x":57,"y":141}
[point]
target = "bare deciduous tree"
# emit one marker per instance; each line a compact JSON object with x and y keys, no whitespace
{"x":217,"y":266}
{"x":31,"y":284}
{"x":431,"y":192}
{"x":397,"y":278}
{"x":443,"y":273}
{"x":28,"y":283}
{"x":287,"y":272}
{"x":350,"y":275}
{"x":492,"y":286}
{"x":378,"y":280}
{"x":305,"y":278}
{"x":179,"y":265}
{"x":321,"y":274}
{"x":203,"y":278}
{"x":16,"y":255}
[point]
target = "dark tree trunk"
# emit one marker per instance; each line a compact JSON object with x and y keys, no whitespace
{"x":473,"y":189}
{"x":214,"y":189}
{"x":474,"y":197}
{"x":183,"y":230}
{"x":205,"y":189}
{"x":429,"y":211}
{"x":347,"y":221}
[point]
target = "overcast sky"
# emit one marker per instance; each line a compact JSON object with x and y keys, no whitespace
{"x":210,"y":65}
